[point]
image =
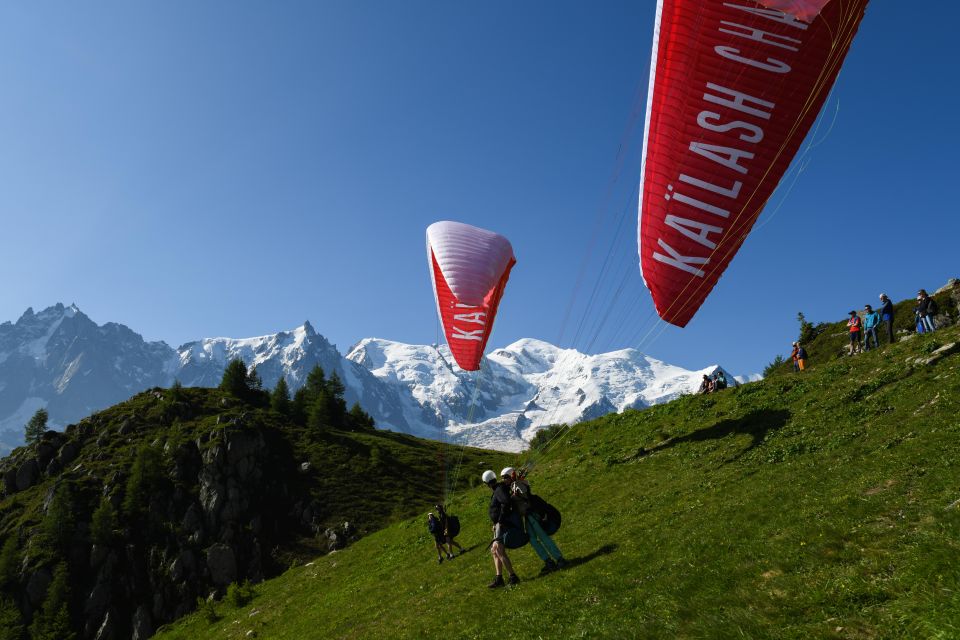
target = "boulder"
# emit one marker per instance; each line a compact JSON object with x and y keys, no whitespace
{"x":45,"y":453}
{"x":68,"y":453}
{"x":107,"y":630}
{"x":222,"y":564}
{"x":141,"y":625}
{"x":27,"y":474}
{"x":10,"y":481}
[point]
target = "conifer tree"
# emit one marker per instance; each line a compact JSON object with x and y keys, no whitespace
{"x":280,"y":398}
{"x":53,"y":621}
{"x":103,"y":523}
{"x":320,"y":418}
{"x":145,"y":476}
{"x":254,"y":381}
{"x":59,"y":524}
{"x":235,"y":381}
{"x":9,"y":562}
{"x":11,"y":625}
{"x":337,"y":405}
{"x":176,"y":391}
{"x":299,"y":407}
{"x":359,"y":419}
{"x":316,"y":383}
{"x":34,"y":429}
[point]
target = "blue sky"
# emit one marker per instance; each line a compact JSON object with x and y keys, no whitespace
{"x":208,"y":169}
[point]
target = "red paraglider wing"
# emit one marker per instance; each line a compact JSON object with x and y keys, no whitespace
{"x":734,"y":89}
{"x":477,"y":266}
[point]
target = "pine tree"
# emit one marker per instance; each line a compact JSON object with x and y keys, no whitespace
{"x":280,"y":398}
{"x":316,"y":383}
{"x":337,"y":405}
{"x":9,"y":563}
{"x":59,"y":524}
{"x":319,"y":417}
{"x":235,"y":381}
{"x":53,"y":621}
{"x":299,"y":407}
{"x":34,"y":429}
{"x":176,"y":391}
{"x":145,"y":476}
{"x":11,"y":625}
{"x":254,"y":381}
{"x":103,"y":523}
{"x":359,"y":419}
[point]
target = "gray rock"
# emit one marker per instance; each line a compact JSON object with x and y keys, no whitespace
{"x":10,"y":481}
{"x":45,"y":453}
{"x":304,"y":467}
{"x":53,"y":468}
{"x":27,"y":474}
{"x":107,"y":630}
{"x":68,"y":453}
{"x":98,"y":601}
{"x":142,"y":627}
{"x":222,"y":564}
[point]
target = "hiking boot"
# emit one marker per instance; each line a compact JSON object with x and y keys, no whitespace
{"x":513,"y":579}
{"x":548,"y":566}
{"x":497,"y":582}
{"x":561,"y":563}
{"x":449,"y":556}
{"x":440,"y":560}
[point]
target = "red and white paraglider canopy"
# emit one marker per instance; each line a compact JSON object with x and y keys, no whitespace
{"x":469,"y":267}
{"x":734,"y":88}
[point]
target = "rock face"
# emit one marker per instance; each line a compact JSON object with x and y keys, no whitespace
{"x":234,"y":494}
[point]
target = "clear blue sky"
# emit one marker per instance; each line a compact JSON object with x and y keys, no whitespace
{"x":234,"y":168}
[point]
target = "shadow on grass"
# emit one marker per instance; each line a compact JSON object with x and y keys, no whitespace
{"x":756,"y":424}
{"x":573,"y":563}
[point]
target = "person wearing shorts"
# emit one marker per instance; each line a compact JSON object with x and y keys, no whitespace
{"x":854,"y":324}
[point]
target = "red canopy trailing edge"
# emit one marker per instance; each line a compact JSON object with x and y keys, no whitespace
{"x":470,"y":267}
{"x":734,"y":89}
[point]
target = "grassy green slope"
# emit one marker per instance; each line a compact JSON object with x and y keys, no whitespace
{"x":809,"y":505}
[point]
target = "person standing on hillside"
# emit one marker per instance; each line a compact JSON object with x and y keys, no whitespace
{"x":926,"y":308}
{"x":801,"y":356}
{"x":854,"y":324}
{"x":448,"y":533}
{"x":436,"y":530}
{"x":544,"y":546}
{"x":886,"y":315}
{"x":500,"y":508}
{"x":871,"y":319}
{"x":795,"y":357}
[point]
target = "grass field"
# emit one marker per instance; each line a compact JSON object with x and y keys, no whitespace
{"x":814,"y":505}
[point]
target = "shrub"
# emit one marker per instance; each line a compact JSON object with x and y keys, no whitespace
{"x":239,"y":594}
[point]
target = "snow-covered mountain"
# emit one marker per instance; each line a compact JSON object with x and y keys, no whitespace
{"x":521,"y":388}
{"x":62,"y":360}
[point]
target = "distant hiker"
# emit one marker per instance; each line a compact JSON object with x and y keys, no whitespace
{"x":886,"y":315}
{"x":801,"y":356}
{"x":794,"y":355}
{"x":500,"y":508}
{"x":854,"y":324}
{"x":926,"y":308}
{"x":436,"y":530}
{"x":871,"y":319}
{"x":542,"y":544}
{"x":446,"y":527}
{"x":706,"y":385}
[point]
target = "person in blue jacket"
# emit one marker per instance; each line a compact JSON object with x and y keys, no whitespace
{"x":886,"y":315}
{"x":871,"y":319}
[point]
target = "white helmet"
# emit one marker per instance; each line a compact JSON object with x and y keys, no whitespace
{"x":488,"y":477}
{"x":507,"y":472}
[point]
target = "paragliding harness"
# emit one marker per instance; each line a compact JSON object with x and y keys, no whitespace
{"x":453,"y":527}
{"x":546,"y":514}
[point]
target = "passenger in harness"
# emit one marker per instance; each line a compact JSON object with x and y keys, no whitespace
{"x":543,"y":545}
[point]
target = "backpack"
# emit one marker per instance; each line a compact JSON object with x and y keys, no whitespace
{"x":548,"y":515}
{"x":514,"y":535}
{"x":802,"y":353}
{"x":453,"y":526}
{"x":433,"y":526}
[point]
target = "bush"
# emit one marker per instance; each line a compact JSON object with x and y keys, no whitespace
{"x":207,"y":610}
{"x":239,"y":594}
{"x":773,"y":366}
